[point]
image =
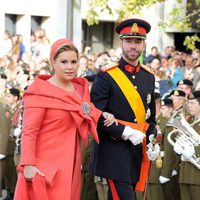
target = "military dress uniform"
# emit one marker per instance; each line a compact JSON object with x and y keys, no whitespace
{"x":115,"y":158}
{"x":170,"y":165}
{"x":155,"y":189}
{"x":189,"y":178}
{"x":88,"y":187}
{"x":9,"y":168}
{"x":4,"y":134}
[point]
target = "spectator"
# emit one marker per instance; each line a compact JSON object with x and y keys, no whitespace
{"x":154,"y":54}
{"x":189,"y":72}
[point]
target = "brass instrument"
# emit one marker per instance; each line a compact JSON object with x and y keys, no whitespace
{"x":184,"y":133}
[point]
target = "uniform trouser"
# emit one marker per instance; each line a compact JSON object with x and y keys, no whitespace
{"x":190,"y":192}
{"x":88,"y":187}
{"x":171,"y":189}
{"x":124,"y":190}
{"x":9,"y":173}
{"x":155,"y":192}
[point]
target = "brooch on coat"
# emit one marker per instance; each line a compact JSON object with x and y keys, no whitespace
{"x":85,"y":108}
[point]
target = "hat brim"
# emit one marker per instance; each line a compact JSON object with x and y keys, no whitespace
{"x":132,"y":36}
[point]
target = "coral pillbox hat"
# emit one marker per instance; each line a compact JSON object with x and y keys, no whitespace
{"x":58,"y":45}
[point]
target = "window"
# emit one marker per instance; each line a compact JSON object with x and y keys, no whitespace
{"x":10,"y":23}
{"x":99,"y":37}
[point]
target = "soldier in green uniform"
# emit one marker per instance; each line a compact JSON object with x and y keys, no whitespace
{"x":4,"y":134}
{"x":179,"y":98}
{"x":170,"y":173}
{"x":9,"y":169}
{"x":160,"y":173}
{"x":169,"y":170}
{"x":189,"y":178}
{"x":185,"y":85}
{"x":88,"y":188}
{"x":154,"y":189}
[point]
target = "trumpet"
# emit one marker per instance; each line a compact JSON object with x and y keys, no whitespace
{"x":184,"y":134}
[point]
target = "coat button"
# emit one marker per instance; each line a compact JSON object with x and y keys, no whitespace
{"x":133,"y":77}
{"x":135,"y":120}
{"x":135,"y":87}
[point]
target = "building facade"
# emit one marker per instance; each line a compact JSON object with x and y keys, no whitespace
{"x":67,"y":18}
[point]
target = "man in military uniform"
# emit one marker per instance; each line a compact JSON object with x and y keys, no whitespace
{"x":179,"y":98}
{"x":127,"y":91}
{"x":10,"y":174}
{"x":4,"y":134}
{"x":185,"y":85}
{"x":154,"y":189}
{"x":189,"y":178}
{"x":168,"y":173}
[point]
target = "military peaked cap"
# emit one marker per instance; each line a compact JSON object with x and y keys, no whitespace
{"x":133,"y":28}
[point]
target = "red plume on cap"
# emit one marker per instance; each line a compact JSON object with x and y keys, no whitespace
{"x":58,"y":44}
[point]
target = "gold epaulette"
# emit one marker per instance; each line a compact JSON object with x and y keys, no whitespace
{"x":148,"y":69}
{"x":108,"y":67}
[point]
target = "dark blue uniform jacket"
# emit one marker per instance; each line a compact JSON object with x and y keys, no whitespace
{"x":115,"y":158}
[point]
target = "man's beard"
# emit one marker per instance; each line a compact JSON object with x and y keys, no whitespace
{"x":130,"y":58}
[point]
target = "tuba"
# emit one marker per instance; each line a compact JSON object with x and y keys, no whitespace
{"x":184,"y":133}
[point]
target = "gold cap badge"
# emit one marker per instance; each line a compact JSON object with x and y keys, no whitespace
{"x":134,"y":28}
{"x":191,"y":96}
{"x":181,"y":82}
{"x":176,"y":93}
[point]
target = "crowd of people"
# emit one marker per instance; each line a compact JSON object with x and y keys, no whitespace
{"x":176,"y":92}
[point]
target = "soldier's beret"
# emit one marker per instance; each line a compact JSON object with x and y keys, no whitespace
{"x":194,"y":95}
{"x":179,"y":93}
{"x":185,"y":82}
{"x":167,"y":102}
{"x":3,"y":76}
{"x":13,"y":91}
{"x":133,"y":28}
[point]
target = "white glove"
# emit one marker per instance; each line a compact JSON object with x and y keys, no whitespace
{"x":174,"y":172}
{"x":163,"y":179}
{"x":2,"y":156}
{"x":188,"y":151}
{"x":153,"y":151}
{"x":135,"y":136}
{"x":177,"y":148}
{"x":17,"y":132}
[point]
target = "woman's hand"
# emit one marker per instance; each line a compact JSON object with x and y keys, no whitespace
{"x":30,"y":171}
{"x":109,"y":119}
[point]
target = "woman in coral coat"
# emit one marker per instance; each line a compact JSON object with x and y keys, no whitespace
{"x":57,"y":115}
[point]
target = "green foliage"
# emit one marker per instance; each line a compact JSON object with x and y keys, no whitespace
{"x":128,"y":8}
{"x":191,"y":41}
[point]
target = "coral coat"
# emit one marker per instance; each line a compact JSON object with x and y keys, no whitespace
{"x":53,"y":124}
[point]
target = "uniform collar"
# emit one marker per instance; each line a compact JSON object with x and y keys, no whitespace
{"x":129,"y":68}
